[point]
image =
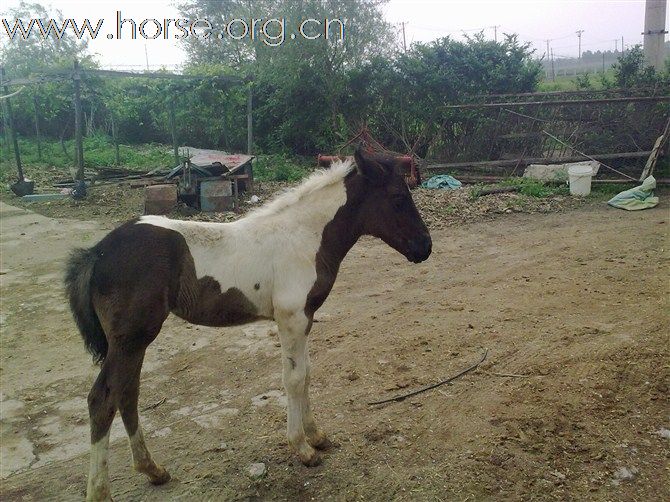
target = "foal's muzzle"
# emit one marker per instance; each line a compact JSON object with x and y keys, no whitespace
{"x":420,"y":248}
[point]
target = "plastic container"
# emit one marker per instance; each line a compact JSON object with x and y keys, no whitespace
{"x":580,"y":179}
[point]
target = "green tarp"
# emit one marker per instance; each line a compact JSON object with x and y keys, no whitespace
{"x":443,"y":182}
{"x":641,"y":197}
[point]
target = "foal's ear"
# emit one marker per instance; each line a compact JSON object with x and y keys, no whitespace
{"x":369,"y":167}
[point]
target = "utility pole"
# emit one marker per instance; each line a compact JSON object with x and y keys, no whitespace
{"x":654,"y":33}
{"x":622,"y":50}
{"x":547,"y":58}
{"x":404,"y":40}
{"x":579,"y":36}
{"x":495,"y":32}
{"x":616,"y":45}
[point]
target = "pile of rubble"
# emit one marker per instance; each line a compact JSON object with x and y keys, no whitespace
{"x":439,"y":208}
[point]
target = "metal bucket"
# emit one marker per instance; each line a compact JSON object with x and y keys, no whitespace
{"x":216,"y":195}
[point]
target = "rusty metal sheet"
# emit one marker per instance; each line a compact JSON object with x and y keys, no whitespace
{"x":204,"y":158}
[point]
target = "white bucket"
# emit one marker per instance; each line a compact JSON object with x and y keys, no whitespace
{"x":580,"y":179}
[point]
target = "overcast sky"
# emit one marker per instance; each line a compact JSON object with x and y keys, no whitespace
{"x":534,"y":21}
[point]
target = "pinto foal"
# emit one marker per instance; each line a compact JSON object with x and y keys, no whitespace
{"x":279,"y":262}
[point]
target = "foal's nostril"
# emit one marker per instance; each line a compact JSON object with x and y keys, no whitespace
{"x":421,"y":248}
{"x":427,"y":244}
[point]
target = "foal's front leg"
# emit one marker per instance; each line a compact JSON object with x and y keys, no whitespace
{"x":315,"y":436}
{"x":293,"y":329}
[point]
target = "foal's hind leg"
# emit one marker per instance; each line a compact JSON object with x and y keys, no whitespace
{"x":128,"y":408}
{"x":129,"y":332}
{"x":101,"y":409}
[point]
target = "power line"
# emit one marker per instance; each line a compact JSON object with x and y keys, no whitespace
{"x":443,"y":30}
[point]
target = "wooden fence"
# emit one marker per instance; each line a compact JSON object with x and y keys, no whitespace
{"x":501,"y":134}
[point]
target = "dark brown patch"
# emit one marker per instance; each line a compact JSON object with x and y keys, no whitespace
{"x":137,"y":274}
{"x":339,"y":236}
{"x":257,"y":286}
{"x":379,"y":204}
{"x":202,"y":302}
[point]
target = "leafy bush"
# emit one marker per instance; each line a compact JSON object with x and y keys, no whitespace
{"x":631,"y":71}
{"x":583,"y":81}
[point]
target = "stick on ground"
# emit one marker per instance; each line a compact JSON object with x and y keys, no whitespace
{"x":402,"y":397}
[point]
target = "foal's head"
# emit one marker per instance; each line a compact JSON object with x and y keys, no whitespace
{"x":386,"y":209}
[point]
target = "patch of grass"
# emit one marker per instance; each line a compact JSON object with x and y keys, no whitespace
{"x":476,"y":191}
{"x":279,"y":168}
{"x":98,"y":152}
{"x":535,"y":188}
{"x":572,"y":83}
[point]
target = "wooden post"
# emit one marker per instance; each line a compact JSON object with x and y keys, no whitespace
{"x":236,"y":195}
{"x":117,"y":157}
{"x":10,"y":120}
{"x":5,"y":137}
{"x":655,"y":152}
{"x":173,"y":130}
{"x":250,"y":134}
{"x":78,"y":136}
{"x":37,"y":128}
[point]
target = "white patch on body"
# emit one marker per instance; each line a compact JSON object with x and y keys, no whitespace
{"x":274,"y":246}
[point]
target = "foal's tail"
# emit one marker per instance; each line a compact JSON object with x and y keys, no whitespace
{"x":78,"y":277}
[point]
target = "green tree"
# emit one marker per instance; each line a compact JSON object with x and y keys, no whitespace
{"x":36,"y":53}
{"x":300,"y":84}
{"x":406,"y":96}
{"x":631,"y":71}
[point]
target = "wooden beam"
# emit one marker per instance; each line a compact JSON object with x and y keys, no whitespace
{"x":250,"y":120}
{"x":559,"y":93}
{"x":527,"y":161}
{"x":173,"y":130}
{"x":37,"y":127}
{"x":52,"y":76}
{"x":115,"y":138}
{"x":10,"y":120}
{"x":561,"y":102}
{"x":471,"y":179}
{"x":60,"y":75}
{"x":655,"y":152}
{"x":78,"y":123}
{"x":169,"y":76}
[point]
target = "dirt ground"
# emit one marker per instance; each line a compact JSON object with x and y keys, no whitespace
{"x":571,"y":403}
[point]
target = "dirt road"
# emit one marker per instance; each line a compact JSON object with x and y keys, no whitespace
{"x":571,"y":403}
